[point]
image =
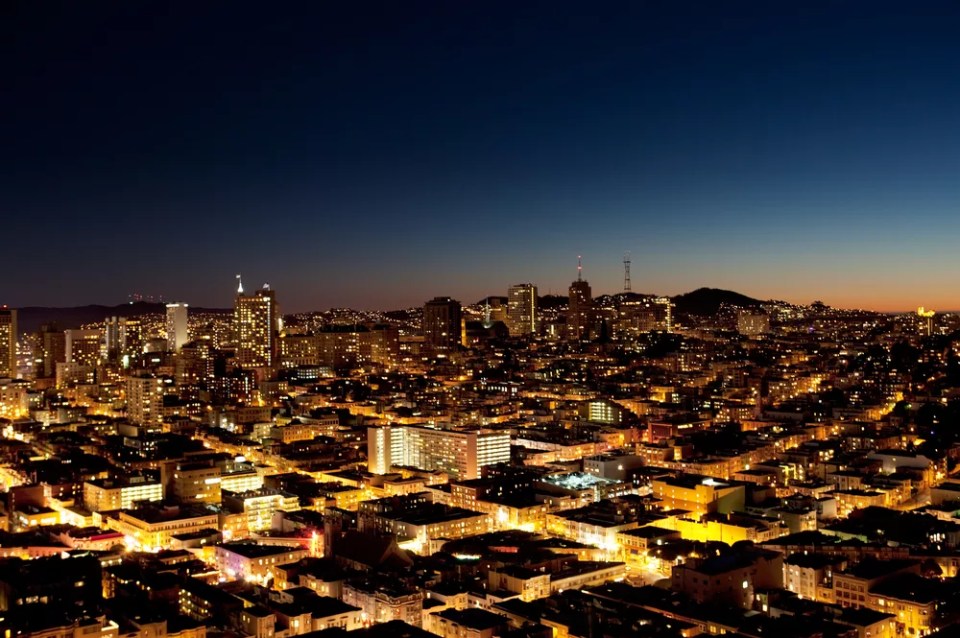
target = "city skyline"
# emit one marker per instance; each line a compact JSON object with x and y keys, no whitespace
{"x":501,"y":320}
{"x":560,"y":292}
{"x":379,"y":158}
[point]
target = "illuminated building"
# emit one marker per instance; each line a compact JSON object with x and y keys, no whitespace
{"x":256,"y":324}
{"x":195,"y":363}
{"x":104,"y":495}
{"x":72,"y":374}
{"x":730,"y":579}
{"x":753,"y":324}
{"x":145,"y":399}
{"x":14,"y":398}
{"x":442,"y":324}
{"x":341,"y":346}
{"x":197,"y":483}
{"x":459,"y":453}
{"x":123,"y":340}
{"x":131,"y":339}
{"x":176,"y":326}
{"x":154,"y":527}
{"x":8,"y":342}
{"x":250,"y":561}
{"x":415,"y":519}
{"x":357,"y":345}
{"x":382,"y":602}
{"x":522,"y":309}
{"x":240,"y":477}
{"x":473,"y":622}
{"x":52,"y":344}
{"x":667,"y":304}
{"x":384,"y":448}
{"x":530,"y":584}
{"x":256,"y":508}
{"x":698,"y":494}
{"x":810,"y":576}
{"x":83,"y":347}
{"x":297,"y":350}
{"x":579,"y":308}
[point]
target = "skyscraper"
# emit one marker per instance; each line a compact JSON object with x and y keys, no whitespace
{"x":131,"y":341}
{"x":8,"y":342}
{"x":442,"y":319}
{"x":176,"y":326}
{"x":580,"y":308}
{"x":256,"y":324}
{"x":522,"y":309}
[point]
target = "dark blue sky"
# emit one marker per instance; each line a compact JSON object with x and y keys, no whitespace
{"x":378,"y":154}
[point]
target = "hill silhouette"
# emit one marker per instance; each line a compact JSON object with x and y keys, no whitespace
{"x":707,"y":301}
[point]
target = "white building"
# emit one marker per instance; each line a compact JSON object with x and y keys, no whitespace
{"x":176,"y":326}
{"x":461,"y":453}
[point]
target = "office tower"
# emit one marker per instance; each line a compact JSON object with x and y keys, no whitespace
{"x":580,"y":308}
{"x":8,"y":342}
{"x":83,"y":347}
{"x":462,"y":454}
{"x":522,"y":309}
{"x":176,"y":326}
{"x":129,"y":339}
{"x":442,"y":324}
{"x":256,"y":324}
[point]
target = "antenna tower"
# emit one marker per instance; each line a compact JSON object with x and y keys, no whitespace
{"x":626,"y":273}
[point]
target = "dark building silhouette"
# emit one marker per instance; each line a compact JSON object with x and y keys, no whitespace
{"x":442,"y":324}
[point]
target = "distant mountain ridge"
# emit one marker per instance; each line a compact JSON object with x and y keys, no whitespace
{"x":702,"y":302}
{"x":707,"y":301}
{"x":30,"y":318}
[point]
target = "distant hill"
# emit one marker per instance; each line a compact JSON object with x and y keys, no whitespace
{"x":30,"y":318}
{"x":707,"y":301}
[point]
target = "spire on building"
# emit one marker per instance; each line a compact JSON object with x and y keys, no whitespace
{"x":579,"y":268}
{"x":239,"y":285}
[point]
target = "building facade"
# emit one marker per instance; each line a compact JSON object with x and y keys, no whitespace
{"x":522,"y":310}
{"x":442,"y":324}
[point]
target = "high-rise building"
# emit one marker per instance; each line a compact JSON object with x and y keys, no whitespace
{"x":442,"y":324}
{"x":522,"y":309}
{"x":52,"y":343}
{"x":461,"y":453}
{"x":145,"y":399}
{"x":131,"y":339}
{"x":83,"y":347}
{"x":8,"y":342}
{"x":580,"y":308}
{"x":176,"y":326}
{"x":256,"y":324}
{"x":111,"y":339}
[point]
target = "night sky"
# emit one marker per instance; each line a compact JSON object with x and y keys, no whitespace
{"x":375,"y":155}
